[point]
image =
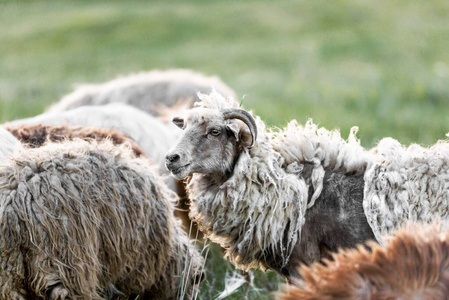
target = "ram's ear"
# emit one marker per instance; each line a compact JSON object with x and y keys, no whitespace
{"x":234,"y":128}
{"x":241,"y":132}
{"x":178,"y":122}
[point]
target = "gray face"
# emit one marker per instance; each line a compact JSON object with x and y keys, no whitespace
{"x":209,"y":145}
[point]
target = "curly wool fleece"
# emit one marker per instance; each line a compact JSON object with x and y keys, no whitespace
{"x":84,"y":219}
{"x":406,"y":184}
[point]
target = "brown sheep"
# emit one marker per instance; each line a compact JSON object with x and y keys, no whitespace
{"x":86,"y":219}
{"x":413,"y":265}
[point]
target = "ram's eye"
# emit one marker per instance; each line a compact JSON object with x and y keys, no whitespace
{"x":215,"y":132}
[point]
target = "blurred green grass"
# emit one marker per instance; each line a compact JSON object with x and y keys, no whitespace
{"x":383,"y":65}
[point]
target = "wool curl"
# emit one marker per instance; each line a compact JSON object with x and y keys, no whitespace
{"x":406,"y":184}
{"x":414,"y":264}
{"x":84,"y":220}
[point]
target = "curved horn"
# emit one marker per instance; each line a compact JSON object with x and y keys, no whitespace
{"x":245,"y":117}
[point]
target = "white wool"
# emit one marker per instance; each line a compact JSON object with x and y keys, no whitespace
{"x":406,"y":184}
{"x":323,"y":148}
{"x":215,"y":100}
{"x":7,"y":143}
{"x":145,"y":89}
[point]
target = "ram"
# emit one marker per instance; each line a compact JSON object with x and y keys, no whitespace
{"x":279,"y":198}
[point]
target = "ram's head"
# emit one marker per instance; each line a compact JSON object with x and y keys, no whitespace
{"x":211,"y":142}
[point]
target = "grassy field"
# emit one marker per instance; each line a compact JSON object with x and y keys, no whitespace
{"x":381,"y":65}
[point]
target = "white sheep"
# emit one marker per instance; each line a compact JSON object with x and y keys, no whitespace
{"x":278,"y":198}
{"x":144,"y":90}
{"x":148,"y":132}
{"x":85,"y":220}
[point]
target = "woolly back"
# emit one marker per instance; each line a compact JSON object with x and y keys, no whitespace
{"x":7,"y":143}
{"x":259,"y":210}
{"x":324,"y":149}
{"x":413,"y":265}
{"x":90,"y":213}
{"x":406,"y":184}
{"x":143,"y":90}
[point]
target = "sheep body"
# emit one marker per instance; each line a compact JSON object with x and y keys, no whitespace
{"x":143,"y":90}
{"x":400,"y":184}
{"x":83,"y":219}
{"x":414,"y":264}
{"x":37,"y":135}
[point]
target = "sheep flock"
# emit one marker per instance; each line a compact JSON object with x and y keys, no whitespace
{"x":90,"y":191}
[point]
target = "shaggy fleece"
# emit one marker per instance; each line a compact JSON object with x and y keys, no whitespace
{"x":414,"y":264}
{"x":406,"y":184}
{"x":86,"y":219}
{"x":324,"y":149}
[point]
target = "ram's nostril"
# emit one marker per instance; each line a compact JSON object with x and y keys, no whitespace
{"x":172,"y":158}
